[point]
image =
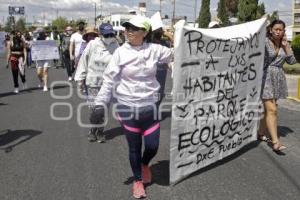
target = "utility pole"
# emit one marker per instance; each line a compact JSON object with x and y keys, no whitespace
{"x":195,"y":12}
{"x":101,"y":7}
{"x":173,"y":17}
{"x":56,"y":9}
{"x":160,"y":7}
{"x":95,"y":14}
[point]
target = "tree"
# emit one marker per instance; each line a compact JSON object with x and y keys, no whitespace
{"x":222,"y":13}
{"x":247,"y":10}
{"x":10,"y":23}
{"x":296,"y":47}
{"x":260,"y":10}
{"x":204,"y":15}
{"x":274,"y":15}
{"x":20,"y":25}
{"x":61,"y":23}
{"x":232,"y":7}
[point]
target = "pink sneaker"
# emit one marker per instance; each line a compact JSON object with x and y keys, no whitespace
{"x":146,"y":174}
{"x":138,"y":190}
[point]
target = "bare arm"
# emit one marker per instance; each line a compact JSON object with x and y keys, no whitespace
{"x":8,"y":51}
{"x":25,"y":55}
{"x":71,"y":50}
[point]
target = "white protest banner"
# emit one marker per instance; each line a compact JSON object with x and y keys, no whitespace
{"x":156,"y":21}
{"x":44,"y":50}
{"x":2,"y":41}
{"x":216,"y":94}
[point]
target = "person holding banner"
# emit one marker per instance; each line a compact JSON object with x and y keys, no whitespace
{"x":130,"y":76}
{"x":274,"y":86}
{"x":43,"y":65}
{"x":16,"y":58}
{"x":89,"y":73}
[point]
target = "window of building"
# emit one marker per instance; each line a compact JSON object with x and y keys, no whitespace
{"x":117,"y":24}
{"x":297,"y":19}
{"x":297,"y":4}
{"x":113,"y":23}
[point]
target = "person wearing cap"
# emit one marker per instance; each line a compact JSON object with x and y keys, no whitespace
{"x":65,"y":48}
{"x":130,"y":77}
{"x":89,"y":34}
{"x":75,"y":42}
{"x":89,"y":73}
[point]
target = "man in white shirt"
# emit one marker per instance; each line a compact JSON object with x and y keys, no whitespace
{"x":76,"y":40}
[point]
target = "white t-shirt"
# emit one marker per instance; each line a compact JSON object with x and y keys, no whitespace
{"x":77,"y":39}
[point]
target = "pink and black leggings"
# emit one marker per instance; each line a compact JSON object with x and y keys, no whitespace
{"x":138,"y":123}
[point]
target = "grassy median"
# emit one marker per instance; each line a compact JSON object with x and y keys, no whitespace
{"x":292,"y":69}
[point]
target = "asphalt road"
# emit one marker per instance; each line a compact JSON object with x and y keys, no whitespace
{"x":42,"y":158}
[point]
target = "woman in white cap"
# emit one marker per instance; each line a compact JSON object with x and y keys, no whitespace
{"x":89,"y":73}
{"x":131,"y":75}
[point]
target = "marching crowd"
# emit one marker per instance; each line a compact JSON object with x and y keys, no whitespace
{"x":98,"y":59}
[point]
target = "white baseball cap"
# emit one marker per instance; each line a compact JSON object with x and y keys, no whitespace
{"x":139,"y":21}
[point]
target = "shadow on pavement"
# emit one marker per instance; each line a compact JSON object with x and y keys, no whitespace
{"x":112,"y":133}
{"x":284,"y":131}
{"x":161,"y":174}
{"x":29,"y":90}
{"x":166,"y":115}
{"x":11,"y":138}
{"x":129,"y":180}
{"x":3,"y":104}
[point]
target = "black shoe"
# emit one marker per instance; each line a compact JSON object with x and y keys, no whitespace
{"x":92,"y":136}
{"x":100,"y":136}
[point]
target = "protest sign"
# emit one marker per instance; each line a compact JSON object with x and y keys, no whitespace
{"x":44,"y":50}
{"x":2,"y":41}
{"x":216,"y":94}
{"x":16,"y":10}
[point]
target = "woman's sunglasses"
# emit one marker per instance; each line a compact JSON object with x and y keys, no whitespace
{"x":109,"y":36}
{"x":133,"y":28}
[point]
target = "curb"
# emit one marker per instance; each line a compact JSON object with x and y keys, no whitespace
{"x":294,"y":99}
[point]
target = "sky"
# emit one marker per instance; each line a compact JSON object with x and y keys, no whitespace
{"x":47,"y":10}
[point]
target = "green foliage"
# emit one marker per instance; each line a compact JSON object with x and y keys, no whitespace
{"x":222,"y":13}
{"x":204,"y":15}
{"x":260,"y":10}
{"x":61,"y":23}
{"x":232,"y":7}
{"x":247,"y":10}
{"x":20,"y":25}
{"x":274,"y":15}
{"x":9,"y":25}
{"x":296,"y":47}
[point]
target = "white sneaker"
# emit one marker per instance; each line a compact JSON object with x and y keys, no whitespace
{"x":45,"y":89}
{"x":24,"y":86}
{"x":39,"y":85}
{"x":70,"y":78}
{"x":16,"y":90}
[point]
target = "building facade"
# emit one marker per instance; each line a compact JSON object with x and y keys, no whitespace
{"x":296,"y":17}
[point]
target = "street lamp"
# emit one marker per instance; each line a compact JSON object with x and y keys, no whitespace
{"x":95,"y":14}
